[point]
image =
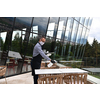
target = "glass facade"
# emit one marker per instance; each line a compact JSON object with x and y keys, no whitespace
{"x":65,"y":36}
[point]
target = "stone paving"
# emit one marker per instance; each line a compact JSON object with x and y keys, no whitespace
{"x":26,"y":78}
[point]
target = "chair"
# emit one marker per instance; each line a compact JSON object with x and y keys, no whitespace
{"x":53,"y":67}
{"x":12,"y":65}
{"x":26,"y":63}
{"x":64,"y":67}
{"x":75,"y":78}
{"x":52,"y":79}
{"x":3,"y":72}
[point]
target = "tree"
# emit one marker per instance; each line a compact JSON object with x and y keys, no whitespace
{"x":88,"y":50}
{"x":95,"y":49}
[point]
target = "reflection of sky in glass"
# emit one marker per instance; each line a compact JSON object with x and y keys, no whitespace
{"x":90,"y":21}
{"x":79,"y":34}
{"x":24,"y":29}
{"x":18,"y":31}
{"x":35,"y":29}
{"x":59,"y":33}
{"x":3,"y":36}
{"x":60,"y":25}
{"x":51,"y":26}
{"x":73,"y":36}
{"x":77,"y":18}
{"x":27,"y":20}
{"x":83,"y":35}
{"x":60,"y":28}
{"x":41,"y":22}
{"x":23,"y":32}
{"x":86,"y":21}
{"x":68,"y":29}
{"x":23,"y":36}
{"x":15,"y":32}
{"x":82,"y":20}
{"x":34,"y":35}
{"x":50,"y":33}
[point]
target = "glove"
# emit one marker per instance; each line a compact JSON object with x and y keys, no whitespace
{"x":53,"y":61}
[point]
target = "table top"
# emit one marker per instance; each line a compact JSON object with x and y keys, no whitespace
{"x":27,"y":60}
{"x":59,"y":71}
{"x":11,"y":58}
{"x":14,"y":54}
{"x":45,"y":61}
{"x":8,"y":62}
{"x":70,"y":61}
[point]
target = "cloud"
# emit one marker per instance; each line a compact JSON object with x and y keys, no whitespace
{"x":95,"y":30}
{"x":90,"y":40}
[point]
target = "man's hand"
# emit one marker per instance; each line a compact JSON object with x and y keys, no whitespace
{"x":53,"y":61}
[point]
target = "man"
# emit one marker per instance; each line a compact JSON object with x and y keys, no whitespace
{"x":37,"y":57}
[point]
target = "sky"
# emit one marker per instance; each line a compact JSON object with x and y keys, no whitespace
{"x":95,"y":30}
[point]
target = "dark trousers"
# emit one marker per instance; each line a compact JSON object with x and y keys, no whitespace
{"x":35,"y":78}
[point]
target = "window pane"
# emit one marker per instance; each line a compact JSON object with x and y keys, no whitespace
{"x":59,"y":33}
{"x":74,"y":32}
{"x":61,"y":28}
{"x":6,"y":24}
{"x":77,"y":18}
{"x":8,"y":21}
{"x":60,"y":25}
{"x":83,"y":35}
{"x":16,"y":41}
{"x":82,"y":20}
{"x":90,"y":22}
{"x":68,"y":29}
{"x":41,"y":23}
{"x":86,"y":21}
{"x":3,"y":36}
{"x":34,"y":29}
{"x":79,"y":34}
{"x":86,"y":36}
{"x":52,"y":27}
{"x":23,"y":22}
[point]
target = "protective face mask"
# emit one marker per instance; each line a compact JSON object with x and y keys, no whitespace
{"x":42,"y":43}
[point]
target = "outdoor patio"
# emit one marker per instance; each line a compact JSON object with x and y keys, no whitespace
{"x":27,"y":78}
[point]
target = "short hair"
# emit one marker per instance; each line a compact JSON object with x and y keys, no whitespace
{"x":41,"y":36}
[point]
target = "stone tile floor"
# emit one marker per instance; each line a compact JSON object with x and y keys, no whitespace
{"x":26,"y":78}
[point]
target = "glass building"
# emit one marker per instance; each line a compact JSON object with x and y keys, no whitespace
{"x":65,"y":36}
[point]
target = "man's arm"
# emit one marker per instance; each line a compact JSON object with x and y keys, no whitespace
{"x":42,"y":53}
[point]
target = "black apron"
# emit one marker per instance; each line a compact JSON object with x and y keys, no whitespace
{"x":36,"y":63}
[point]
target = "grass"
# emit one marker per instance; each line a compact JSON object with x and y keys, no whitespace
{"x":96,"y":75}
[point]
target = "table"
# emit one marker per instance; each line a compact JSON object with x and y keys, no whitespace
{"x":45,"y":62}
{"x":70,"y":61}
{"x":28,"y":60}
{"x":8,"y":62}
{"x":14,"y":54}
{"x":59,"y":71}
{"x":69,"y":71}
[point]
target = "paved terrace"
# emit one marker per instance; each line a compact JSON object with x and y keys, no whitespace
{"x":27,"y":78}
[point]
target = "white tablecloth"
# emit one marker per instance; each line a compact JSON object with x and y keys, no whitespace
{"x":59,"y":71}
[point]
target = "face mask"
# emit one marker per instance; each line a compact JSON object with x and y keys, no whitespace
{"x":42,"y":43}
